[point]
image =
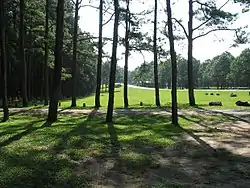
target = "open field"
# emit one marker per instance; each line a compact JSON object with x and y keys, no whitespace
{"x":136,"y":95}
{"x":208,"y":150}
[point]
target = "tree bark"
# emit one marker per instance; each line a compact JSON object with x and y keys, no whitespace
{"x":109,"y":117}
{"x":190,"y":56}
{"x":99,"y":63}
{"x":46,"y":55}
{"x":127,"y":30}
{"x":22,"y":55}
{"x":4,"y":63}
{"x":53,"y":104}
{"x":174,"y":65}
{"x":29,"y":77}
{"x":157,"y":94}
{"x":74,"y":76}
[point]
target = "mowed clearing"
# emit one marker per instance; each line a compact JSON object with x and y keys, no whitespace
{"x":144,"y":150}
{"x":137,"y":95}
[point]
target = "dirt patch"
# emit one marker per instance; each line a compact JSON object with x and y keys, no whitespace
{"x":201,"y":158}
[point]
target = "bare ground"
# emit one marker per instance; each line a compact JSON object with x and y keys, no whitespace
{"x":211,"y":156}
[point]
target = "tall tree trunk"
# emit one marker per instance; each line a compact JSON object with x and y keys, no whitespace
{"x":174,"y":65}
{"x":157,"y":94}
{"x":109,"y":117}
{"x":125,"y":94}
{"x":46,"y":55}
{"x":3,"y":63}
{"x":53,"y":103}
{"x":99,"y":64}
{"x":74,"y":77}
{"x":29,"y":77}
{"x":190,"y":56}
{"x":22,"y":55}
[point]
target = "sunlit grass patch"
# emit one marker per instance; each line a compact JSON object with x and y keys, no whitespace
{"x":137,"y":95}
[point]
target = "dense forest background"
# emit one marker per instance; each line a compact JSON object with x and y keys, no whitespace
{"x":223,"y":71}
{"x":34,"y":50}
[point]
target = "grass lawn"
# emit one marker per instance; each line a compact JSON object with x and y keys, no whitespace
{"x":147,"y":97}
{"x":33,"y":155}
{"x":83,"y":151}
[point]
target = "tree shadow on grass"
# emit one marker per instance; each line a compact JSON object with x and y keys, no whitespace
{"x":185,"y":163}
{"x":135,"y":151}
{"x":228,"y":115}
{"x":29,"y":128}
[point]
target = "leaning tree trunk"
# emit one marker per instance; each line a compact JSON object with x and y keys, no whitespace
{"x":109,"y":117}
{"x":99,"y":64}
{"x":46,"y":55}
{"x":174,"y":65}
{"x":3,"y":63}
{"x":53,"y":103}
{"x":190,"y":56}
{"x":157,"y":94}
{"x":22,"y":56}
{"x":74,"y":78}
{"x":125,"y":97}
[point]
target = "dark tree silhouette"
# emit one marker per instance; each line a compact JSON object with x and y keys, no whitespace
{"x":109,"y":117}
{"x":52,"y":116}
{"x":157,"y":94}
{"x":99,"y":64}
{"x":127,"y":29}
{"x":190,"y":56}
{"x":74,"y":76}
{"x":174,"y":66}
{"x":46,"y":55}
{"x":3,"y":63}
{"x":22,"y":55}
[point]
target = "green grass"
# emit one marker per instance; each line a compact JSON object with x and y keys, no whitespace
{"x":65,"y":154}
{"x":33,"y":155}
{"x":147,"y":97}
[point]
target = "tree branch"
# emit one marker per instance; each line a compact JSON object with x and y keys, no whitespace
{"x":88,"y":6}
{"x":108,"y":19}
{"x":199,"y":26}
{"x":202,"y":4}
{"x":92,"y":37}
{"x":213,"y":30}
{"x":182,"y":26}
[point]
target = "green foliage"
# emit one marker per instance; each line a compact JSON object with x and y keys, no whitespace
{"x":145,"y":73}
{"x":34,"y":15}
{"x":222,"y":71}
{"x":240,"y":68}
{"x":221,"y":68}
{"x":245,"y":3}
{"x":213,"y":15}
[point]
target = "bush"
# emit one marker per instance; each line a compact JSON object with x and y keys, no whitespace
{"x":217,"y":103}
{"x":233,"y":95}
{"x":242,"y":103}
{"x":118,"y":85}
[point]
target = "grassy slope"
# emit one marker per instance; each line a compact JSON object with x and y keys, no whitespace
{"x":147,"y":97}
{"x":35,"y":156}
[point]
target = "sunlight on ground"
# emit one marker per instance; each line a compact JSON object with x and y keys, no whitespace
{"x":147,"y":97}
{"x":141,"y":150}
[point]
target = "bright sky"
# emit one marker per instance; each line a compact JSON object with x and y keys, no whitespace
{"x":204,"y":48}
